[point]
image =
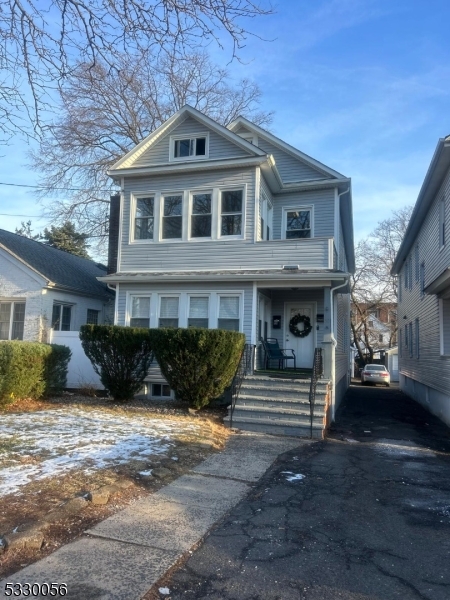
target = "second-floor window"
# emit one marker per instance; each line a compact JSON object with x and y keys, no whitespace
{"x":201,"y":215}
{"x":298,"y":223}
{"x":144,"y":219}
{"x":231,"y":212}
{"x":172,"y":226}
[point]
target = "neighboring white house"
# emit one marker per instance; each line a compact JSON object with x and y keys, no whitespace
{"x":234,"y":228}
{"x":423,"y":267}
{"x":43,"y":288}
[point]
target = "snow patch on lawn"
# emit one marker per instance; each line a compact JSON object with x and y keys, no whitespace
{"x":293,"y":476}
{"x":39,"y":445}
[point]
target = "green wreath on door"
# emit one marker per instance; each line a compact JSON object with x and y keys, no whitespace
{"x":293,"y":325}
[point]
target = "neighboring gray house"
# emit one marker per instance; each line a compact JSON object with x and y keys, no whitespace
{"x":233,"y":228}
{"x":423,"y":268}
{"x":42,"y":287}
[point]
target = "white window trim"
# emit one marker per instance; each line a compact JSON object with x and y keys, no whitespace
{"x":442,"y":349}
{"x":198,"y":295}
{"x":128,"y":305}
{"x":192,"y":193}
{"x":231,"y":188}
{"x":287,"y":209}
{"x":241,"y":307}
{"x":184,"y":216}
{"x":11,"y":315}
{"x":188,"y":136}
{"x":133,"y":205}
{"x":182,"y":319}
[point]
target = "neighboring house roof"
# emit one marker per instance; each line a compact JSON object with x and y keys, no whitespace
{"x":61,"y":269}
{"x":440,"y":163}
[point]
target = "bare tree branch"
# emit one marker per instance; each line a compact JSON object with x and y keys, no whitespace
{"x":42,"y":41}
{"x":105,"y":113}
{"x":373,"y":288}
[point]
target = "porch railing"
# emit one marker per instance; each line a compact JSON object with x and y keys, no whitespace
{"x":245,"y":367}
{"x":317,"y":372}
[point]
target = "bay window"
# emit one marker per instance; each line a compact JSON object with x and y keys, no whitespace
{"x":144,"y":218}
{"x":169,"y":311}
{"x":140,"y":311}
{"x":231,"y":212}
{"x":172,"y":217}
{"x":229,"y":313}
{"x":198,"y":311}
{"x":201,"y":215}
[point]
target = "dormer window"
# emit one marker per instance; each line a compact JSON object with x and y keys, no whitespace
{"x":188,"y":148}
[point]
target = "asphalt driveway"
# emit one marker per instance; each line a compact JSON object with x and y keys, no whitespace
{"x":363,"y":515}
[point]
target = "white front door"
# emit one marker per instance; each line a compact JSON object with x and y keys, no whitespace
{"x":303,"y":347}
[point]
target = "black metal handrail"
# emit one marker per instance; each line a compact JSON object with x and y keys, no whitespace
{"x":244,"y":367}
{"x":317,"y":372}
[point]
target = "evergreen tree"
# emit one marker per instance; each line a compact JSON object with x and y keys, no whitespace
{"x":67,"y":239}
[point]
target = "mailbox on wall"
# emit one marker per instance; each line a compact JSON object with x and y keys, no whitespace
{"x":276,"y":322}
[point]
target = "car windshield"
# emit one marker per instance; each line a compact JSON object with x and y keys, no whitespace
{"x":375,"y":368}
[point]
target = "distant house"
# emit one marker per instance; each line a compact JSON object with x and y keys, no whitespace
{"x":233,"y":228}
{"x":42,"y":287}
{"x":422,"y":265}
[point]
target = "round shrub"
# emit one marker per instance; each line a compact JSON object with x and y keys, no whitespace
{"x":121,"y":356}
{"x":198,"y":364}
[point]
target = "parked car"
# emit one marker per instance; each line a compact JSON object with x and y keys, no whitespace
{"x":375,"y":374}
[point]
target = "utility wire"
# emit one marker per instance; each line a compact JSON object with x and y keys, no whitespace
{"x":40,"y":187}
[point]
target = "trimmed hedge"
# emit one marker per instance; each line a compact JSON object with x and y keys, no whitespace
{"x":121,"y":356}
{"x":198,"y":364}
{"x":31,"y":369}
{"x":57,"y":365}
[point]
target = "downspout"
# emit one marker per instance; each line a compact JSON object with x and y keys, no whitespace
{"x":334,"y":342}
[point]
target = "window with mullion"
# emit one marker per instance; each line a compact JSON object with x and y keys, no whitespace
{"x":198,"y":311}
{"x":172,"y":217}
{"x":18,"y":321}
{"x":61,"y":317}
{"x":144,"y":218}
{"x":140,"y":311}
{"x":229,"y":313}
{"x":168,"y":314}
{"x":5,"y":320}
{"x":201,"y":215}
{"x":231,"y":212}
{"x":298,"y":224}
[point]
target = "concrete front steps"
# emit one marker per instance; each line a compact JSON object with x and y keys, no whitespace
{"x":280,"y":406}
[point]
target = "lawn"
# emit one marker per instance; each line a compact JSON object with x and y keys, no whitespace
{"x":54,"y":451}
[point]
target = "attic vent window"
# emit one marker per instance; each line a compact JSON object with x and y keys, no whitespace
{"x":191,"y":147}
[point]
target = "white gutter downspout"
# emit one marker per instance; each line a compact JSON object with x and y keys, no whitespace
{"x":334,"y":342}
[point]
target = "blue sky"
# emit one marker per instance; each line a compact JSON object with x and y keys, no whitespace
{"x":361,"y":85}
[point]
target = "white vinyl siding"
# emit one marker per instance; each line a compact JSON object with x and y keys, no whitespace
{"x":290,"y":168}
{"x":432,"y":369}
{"x":219,"y":147}
{"x":321,"y":200}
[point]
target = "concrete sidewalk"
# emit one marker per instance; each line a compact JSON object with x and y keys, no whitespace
{"x":123,"y":556}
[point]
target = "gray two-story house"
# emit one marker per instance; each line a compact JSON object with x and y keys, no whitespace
{"x":422,"y":265}
{"x":230,"y":227}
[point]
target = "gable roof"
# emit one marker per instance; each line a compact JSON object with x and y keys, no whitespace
{"x":61,"y":269}
{"x":301,"y":156}
{"x":177,"y":118}
{"x":440,"y":163}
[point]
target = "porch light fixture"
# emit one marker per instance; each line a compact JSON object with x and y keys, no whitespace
{"x":291,"y":268}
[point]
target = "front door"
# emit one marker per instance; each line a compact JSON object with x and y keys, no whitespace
{"x":302,"y":346}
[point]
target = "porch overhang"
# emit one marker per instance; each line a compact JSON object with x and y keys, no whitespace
{"x":440,"y":286}
{"x":264,"y":277}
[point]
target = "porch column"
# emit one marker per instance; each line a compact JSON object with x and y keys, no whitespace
{"x":328,"y":341}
